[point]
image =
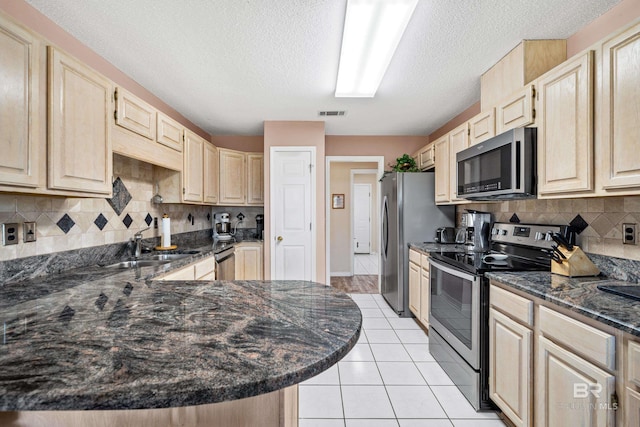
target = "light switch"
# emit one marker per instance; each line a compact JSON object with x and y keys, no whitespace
{"x":29,"y":229}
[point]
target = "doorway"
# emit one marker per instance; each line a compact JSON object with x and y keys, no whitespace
{"x":352,"y":229}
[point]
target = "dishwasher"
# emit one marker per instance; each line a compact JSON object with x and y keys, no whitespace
{"x":226,"y":264}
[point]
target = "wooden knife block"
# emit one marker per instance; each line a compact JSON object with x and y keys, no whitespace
{"x":577,"y":264}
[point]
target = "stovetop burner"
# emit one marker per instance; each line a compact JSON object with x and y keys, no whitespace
{"x":517,"y":247}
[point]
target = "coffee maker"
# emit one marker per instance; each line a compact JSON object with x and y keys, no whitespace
{"x":478,"y":228}
{"x":222,"y":227}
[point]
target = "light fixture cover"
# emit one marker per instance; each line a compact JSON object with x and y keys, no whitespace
{"x":372,"y":31}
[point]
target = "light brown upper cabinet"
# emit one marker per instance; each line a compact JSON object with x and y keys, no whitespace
{"x":619,"y":157}
{"x":427,"y":157}
{"x":524,"y":63}
{"x":169,"y":132}
{"x":458,"y":141}
{"x":442,"y":177}
{"x":233,"y":185}
{"x":565,"y":127}
{"x":255,"y":178}
{"x":19,"y":120}
{"x":516,"y":111}
{"x":193,"y":169}
{"x":134,"y":114}
{"x":211,"y":174}
{"x":80,"y":156}
{"x":482,"y":126}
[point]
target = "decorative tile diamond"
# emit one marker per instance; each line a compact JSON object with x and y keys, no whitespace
{"x":127,"y":220}
{"x":121,"y":196}
{"x":514,"y":218}
{"x":148,"y":219}
{"x":579,"y":224}
{"x":208,"y":217}
{"x":66,"y":223}
{"x":101,"y":221}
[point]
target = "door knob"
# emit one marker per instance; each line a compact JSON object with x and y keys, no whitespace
{"x":280,"y":238}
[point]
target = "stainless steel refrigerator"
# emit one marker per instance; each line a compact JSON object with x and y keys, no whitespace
{"x":409,"y":214}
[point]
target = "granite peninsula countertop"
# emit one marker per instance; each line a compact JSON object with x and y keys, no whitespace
{"x":580,"y":295}
{"x":99,"y":338}
{"x":430,"y":247}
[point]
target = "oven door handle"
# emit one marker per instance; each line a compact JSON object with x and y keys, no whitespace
{"x":453,"y":271}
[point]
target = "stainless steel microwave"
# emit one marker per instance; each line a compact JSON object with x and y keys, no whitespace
{"x":502,"y":167}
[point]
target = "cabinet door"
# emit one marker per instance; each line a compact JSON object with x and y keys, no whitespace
{"x":414,"y":288}
{"x":458,"y":141}
{"x":186,"y":273}
{"x":516,"y":111}
{"x":442,"y":170}
{"x":425,"y":295}
{"x":253,"y":263}
{"x":134,"y":114}
{"x":427,"y":157}
{"x":19,"y":132}
{"x":80,"y":156}
{"x":620,"y":164}
{"x":631,"y":407}
{"x":169,"y":132}
{"x":211,"y":174}
{"x":511,"y":368}
{"x":482,"y":126}
{"x":565,"y":127}
{"x":571,"y":391}
{"x":255,"y":179}
{"x":232,"y":177}
{"x":192,"y":172}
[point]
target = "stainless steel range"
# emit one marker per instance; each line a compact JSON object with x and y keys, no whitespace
{"x":459,"y":315}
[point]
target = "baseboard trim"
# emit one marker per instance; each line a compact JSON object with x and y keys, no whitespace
{"x":341,"y":274}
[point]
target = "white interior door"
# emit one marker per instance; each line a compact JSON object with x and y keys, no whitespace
{"x":292,"y":207}
{"x":362,"y":218}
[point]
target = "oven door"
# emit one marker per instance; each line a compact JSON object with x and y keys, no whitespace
{"x":455,"y":309}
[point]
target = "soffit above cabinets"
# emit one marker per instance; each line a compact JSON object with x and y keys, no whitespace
{"x":229,"y":65}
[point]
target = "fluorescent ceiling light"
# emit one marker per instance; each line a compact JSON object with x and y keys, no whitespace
{"x":372,"y":31}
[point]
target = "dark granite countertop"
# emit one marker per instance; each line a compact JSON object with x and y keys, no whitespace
{"x":579,"y":295}
{"x":99,"y":338}
{"x":429,"y":247}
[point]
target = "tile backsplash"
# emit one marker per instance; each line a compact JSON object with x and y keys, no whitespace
{"x":601,"y":218}
{"x":73,"y":223}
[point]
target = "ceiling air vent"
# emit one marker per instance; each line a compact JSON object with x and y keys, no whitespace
{"x":332,"y":113}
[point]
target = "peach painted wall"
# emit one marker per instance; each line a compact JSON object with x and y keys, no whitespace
{"x":391,"y":147}
{"x":617,"y":17}
{"x":456,"y":121}
{"x":254,"y":143}
{"x":303,"y":133}
{"x":37,"y":22}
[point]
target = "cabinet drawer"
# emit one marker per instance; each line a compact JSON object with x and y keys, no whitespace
{"x":514,"y":306}
{"x":414,"y":256}
{"x":185,"y":273}
{"x":204,"y":267}
{"x":592,"y":343}
{"x":633,"y":363}
{"x":424,"y":262}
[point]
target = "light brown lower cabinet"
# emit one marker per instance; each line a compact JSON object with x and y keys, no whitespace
{"x":249,"y":262}
{"x":275,"y":409}
{"x":419,"y":287}
{"x":554,"y":369}
{"x":425,"y":291}
{"x":199,"y":270}
{"x":414,"y":288}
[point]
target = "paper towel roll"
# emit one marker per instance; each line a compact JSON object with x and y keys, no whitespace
{"x":166,"y":231}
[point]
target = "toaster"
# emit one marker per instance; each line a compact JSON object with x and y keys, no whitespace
{"x":446,"y":235}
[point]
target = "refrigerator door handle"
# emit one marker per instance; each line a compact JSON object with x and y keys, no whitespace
{"x":385,"y":227}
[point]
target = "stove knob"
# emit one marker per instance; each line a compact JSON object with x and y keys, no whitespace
{"x":539,"y":236}
{"x":548,"y":236}
{"x":495,"y":231}
{"x":503,"y":232}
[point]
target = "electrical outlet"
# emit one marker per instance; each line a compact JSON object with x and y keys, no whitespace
{"x":629,"y":233}
{"x":29,"y":229}
{"x":10,"y":233}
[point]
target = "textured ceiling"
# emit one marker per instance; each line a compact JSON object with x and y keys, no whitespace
{"x":228,"y":65}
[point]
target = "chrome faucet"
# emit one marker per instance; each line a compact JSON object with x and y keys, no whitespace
{"x":137,"y":242}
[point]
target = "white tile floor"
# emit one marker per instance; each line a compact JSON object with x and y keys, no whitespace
{"x":365,"y":263}
{"x":389,"y":379}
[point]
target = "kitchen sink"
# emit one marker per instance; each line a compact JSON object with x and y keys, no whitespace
{"x":168,"y":257}
{"x":138,"y":263}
